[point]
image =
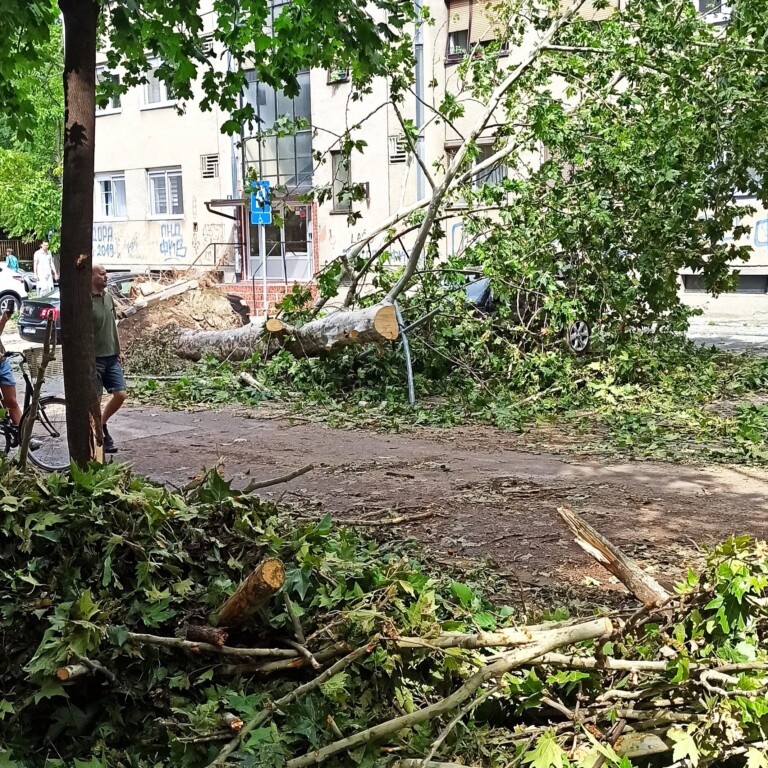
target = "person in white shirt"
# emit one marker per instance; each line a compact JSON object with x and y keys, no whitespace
{"x":45,"y":269}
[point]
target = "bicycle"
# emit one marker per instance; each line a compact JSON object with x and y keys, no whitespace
{"x":48,"y":449}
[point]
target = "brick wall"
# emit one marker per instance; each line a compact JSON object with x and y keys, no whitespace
{"x":245,"y":290}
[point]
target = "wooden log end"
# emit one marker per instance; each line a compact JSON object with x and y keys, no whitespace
{"x":273,"y":573}
{"x":385,"y":322}
{"x":273,"y":325}
{"x":254,"y":592}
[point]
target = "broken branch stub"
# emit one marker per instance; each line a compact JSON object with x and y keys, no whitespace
{"x":643,"y":586}
{"x":252,"y":593}
{"x":371,"y":325}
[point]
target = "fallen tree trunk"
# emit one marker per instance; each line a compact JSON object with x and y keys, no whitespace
{"x":372,"y":325}
{"x":254,"y":592}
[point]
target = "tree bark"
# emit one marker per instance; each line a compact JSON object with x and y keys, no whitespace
{"x":199,"y":633}
{"x":254,"y":592}
{"x":83,"y":412}
{"x":372,"y":325}
{"x":644,"y":587}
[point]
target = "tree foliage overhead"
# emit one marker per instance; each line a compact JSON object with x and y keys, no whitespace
{"x":30,"y":161}
{"x":137,"y":33}
{"x":628,"y":143}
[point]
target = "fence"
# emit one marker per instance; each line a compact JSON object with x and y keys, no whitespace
{"x":24,"y":251}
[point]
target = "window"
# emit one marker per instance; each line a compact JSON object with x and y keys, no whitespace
{"x":495,"y":174}
{"x":338,"y":76}
{"x":209,"y":166}
{"x":289,"y":249}
{"x":340,"y":169}
{"x":156,"y":92}
{"x":165,"y":192}
{"x":286,"y":161}
{"x":398,"y":149}
{"x":470,"y":26}
{"x":113,"y":104}
{"x":110,"y":196}
{"x":458,"y":43}
{"x":744,"y":284}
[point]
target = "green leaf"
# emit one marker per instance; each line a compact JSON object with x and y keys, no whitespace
{"x":118,"y":635}
{"x":756,"y":758}
{"x":49,"y":689}
{"x":685,"y":746}
{"x":547,"y":753}
{"x":463,"y":593}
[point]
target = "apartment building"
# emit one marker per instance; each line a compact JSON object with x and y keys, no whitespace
{"x":171,"y":191}
{"x":161,"y":180}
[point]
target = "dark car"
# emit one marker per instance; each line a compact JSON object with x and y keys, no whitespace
{"x":479,"y":294}
{"x":34,"y":313}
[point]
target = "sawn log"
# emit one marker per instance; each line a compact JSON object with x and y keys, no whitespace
{"x":372,"y":325}
{"x":254,"y":592}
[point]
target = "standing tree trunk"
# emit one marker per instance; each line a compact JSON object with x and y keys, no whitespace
{"x":83,"y":413}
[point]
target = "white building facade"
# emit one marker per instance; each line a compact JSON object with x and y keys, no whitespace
{"x":172,"y":191}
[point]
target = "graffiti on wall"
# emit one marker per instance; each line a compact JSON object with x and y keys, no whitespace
{"x":103,"y":242}
{"x":172,"y":246}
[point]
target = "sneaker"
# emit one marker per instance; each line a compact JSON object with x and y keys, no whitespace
{"x":109,"y":443}
{"x":35,"y":444}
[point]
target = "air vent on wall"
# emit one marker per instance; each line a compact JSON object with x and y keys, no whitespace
{"x":209,"y":166}
{"x":398,"y":149}
{"x":206,"y":44}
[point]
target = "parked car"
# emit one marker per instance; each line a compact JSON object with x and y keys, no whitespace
{"x":34,"y":313}
{"x":12,"y":290}
{"x":30,"y":281}
{"x":479,"y":294}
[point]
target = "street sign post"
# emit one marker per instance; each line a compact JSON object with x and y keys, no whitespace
{"x":261,"y":208}
{"x":261,"y":216}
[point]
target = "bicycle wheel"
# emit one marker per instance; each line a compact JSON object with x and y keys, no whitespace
{"x":48,"y":447}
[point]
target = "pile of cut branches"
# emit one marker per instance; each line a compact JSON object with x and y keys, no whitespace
{"x":143,"y":627}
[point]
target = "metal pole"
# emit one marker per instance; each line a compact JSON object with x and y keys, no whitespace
{"x":418,"y":45}
{"x":407,"y":352}
{"x":263,"y":249}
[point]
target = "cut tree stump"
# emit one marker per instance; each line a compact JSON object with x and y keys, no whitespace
{"x":254,"y":592}
{"x":372,"y":325}
{"x":643,"y":586}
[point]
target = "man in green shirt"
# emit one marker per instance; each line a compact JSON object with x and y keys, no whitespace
{"x":109,"y":356}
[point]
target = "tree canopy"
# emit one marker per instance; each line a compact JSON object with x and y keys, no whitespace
{"x":30,"y":161}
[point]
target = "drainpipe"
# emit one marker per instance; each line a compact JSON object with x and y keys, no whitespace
{"x":418,"y":43}
{"x":240,"y":255}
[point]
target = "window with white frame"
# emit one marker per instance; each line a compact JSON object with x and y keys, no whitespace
{"x":166,"y":197}
{"x":156,"y":92}
{"x":113,"y":104}
{"x":109,"y":191}
{"x":289,"y":247}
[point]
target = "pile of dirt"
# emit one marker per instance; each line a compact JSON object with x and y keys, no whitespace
{"x":204,"y":307}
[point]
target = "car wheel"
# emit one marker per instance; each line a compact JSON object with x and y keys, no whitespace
{"x":9,"y":301}
{"x":578,"y":337}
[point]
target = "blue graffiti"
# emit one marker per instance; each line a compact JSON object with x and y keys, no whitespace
{"x":172,"y":242}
